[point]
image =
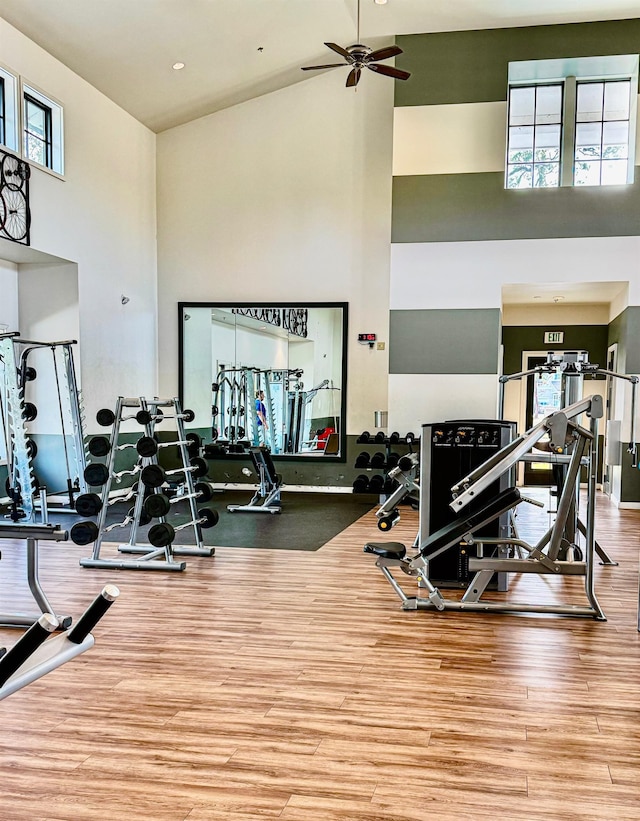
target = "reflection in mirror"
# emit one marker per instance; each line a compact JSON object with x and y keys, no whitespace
{"x":266,"y":375}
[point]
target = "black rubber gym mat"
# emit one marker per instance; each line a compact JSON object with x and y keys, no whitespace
{"x":307,"y":520}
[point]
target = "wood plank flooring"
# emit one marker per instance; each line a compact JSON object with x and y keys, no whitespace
{"x":290,"y":685}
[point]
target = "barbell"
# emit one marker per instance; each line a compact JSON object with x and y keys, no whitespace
{"x":147,"y":446}
{"x":155,"y":476}
{"x":163,"y":534}
{"x":158,"y":504}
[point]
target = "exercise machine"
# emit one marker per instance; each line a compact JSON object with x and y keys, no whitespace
{"x":475,"y":506}
{"x":35,"y":654}
{"x":266,"y":499}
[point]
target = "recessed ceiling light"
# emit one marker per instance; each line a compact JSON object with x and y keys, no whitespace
{"x":177,"y":66}
{"x":380,"y":2}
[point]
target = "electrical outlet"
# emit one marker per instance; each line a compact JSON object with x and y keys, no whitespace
{"x":380,"y":346}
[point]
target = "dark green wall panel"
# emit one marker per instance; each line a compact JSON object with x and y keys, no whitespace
{"x":461,"y":207}
{"x":471,"y":66}
{"x":516,"y":339}
{"x":444,"y":341}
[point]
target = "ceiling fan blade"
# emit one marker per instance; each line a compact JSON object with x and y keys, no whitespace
{"x":314,"y":68}
{"x":354,"y":76}
{"x":384,"y":53}
{"x":390,"y":71}
{"x":339,"y":50}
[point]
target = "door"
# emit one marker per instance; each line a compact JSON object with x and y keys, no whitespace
{"x":544,"y":396}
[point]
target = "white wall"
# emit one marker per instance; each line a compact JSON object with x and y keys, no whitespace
{"x":284,"y":198}
{"x":101,"y":217}
{"x":8,"y":296}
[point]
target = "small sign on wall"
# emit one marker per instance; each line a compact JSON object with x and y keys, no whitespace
{"x":553,"y":337}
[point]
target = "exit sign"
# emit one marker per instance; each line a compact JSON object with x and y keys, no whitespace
{"x":553,"y":337}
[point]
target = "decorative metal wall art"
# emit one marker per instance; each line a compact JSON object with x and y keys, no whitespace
{"x":293,"y":320}
{"x":15,"y":214}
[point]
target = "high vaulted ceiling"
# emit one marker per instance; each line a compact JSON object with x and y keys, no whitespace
{"x":234,"y":50}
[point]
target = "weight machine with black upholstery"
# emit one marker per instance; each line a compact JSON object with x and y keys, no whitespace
{"x":266,"y":499}
{"x":474,"y":509}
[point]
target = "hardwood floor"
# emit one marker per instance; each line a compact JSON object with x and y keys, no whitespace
{"x":274,"y":684}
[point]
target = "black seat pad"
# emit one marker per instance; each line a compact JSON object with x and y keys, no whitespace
{"x":388,"y":550}
{"x":262,"y":455}
{"x":477,"y":515}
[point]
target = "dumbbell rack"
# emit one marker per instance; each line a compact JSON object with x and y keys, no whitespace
{"x":380,"y":440}
{"x":152,"y":558}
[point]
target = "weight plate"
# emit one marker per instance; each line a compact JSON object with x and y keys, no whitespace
{"x":161,"y":535}
{"x":105,"y":417}
{"x":204,"y":491}
{"x":96,"y":474}
{"x":84,"y":532}
{"x":147,"y":446}
{"x":152,"y":475}
{"x":99,"y":446}
{"x":209,"y":517}
{"x":88,"y":504}
{"x":157,"y":505}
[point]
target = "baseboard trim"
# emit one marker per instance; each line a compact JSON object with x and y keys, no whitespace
{"x":285,"y":488}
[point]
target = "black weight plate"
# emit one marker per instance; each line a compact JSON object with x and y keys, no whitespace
{"x":96,"y":474}
{"x":204,"y":491}
{"x":209,"y":517}
{"x":161,"y":535}
{"x":29,"y":374}
{"x":29,"y":412}
{"x":145,"y":518}
{"x":188,"y":415}
{"x":153,"y":475}
{"x":99,"y":446}
{"x":105,"y":417}
{"x":157,"y":505}
{"x":88,"y":504}
{"x":84,"y":532}
{"x":201,"y":467}
{"x":147,"y":446}
{"x":32,"y":449}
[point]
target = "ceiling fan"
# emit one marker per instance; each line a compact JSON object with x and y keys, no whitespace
{"x":359,"y":57}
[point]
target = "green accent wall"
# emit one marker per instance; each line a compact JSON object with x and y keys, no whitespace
{"x":463,"y":207}
{"x":516,"y":339}
{"x":471,"y":66}
{"x":444,"y":341}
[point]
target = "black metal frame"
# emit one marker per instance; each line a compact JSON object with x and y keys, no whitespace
{"x":14,"y":199}
{"x":48,"y":137}
{"x":184,"y":306}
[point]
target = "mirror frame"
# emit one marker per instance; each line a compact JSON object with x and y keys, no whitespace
{"x":182,"y":306}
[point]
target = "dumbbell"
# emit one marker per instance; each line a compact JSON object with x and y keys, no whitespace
{"x":379,"y":437}
{"x":97,"y":474}
{"x":388,"y":521}
{"x":362,"y":460}
{"x":361,"y":483}
{"x":392,"y":460}
{"x":155,"y":476}
{"x":394,"y":438}
{"x":163,"y":534}
{"x":106,"y":417}
{"x":376,"y":483}
{"x":410,"y":437}
{"x":406,"y":462}
{"x":147,"y":446}
{"x":158,"y":504}
{"x":101,"y":445}
{"x":364,"y":438}
{"x":377,"y":460}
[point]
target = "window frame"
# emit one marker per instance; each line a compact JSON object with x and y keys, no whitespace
{"x":55,"y":108}
{"x":571,"y":72}
{"x":9,"y":138}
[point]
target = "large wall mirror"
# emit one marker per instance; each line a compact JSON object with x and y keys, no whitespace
{"x":266,"y":374}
